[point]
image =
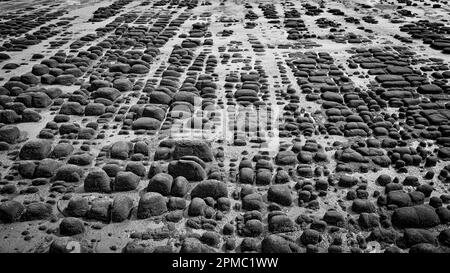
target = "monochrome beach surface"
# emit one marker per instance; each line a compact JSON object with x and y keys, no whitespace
{"x":197,"y":126}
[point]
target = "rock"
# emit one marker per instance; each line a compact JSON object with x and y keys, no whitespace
{"x":384,"y":179}
{"x":26,"y":169}
{"x":160,"y":183}
{"x":179,"y":186}
{"x":29,"y":115}
{"x":349,"y":155}
{"x":196,"y":148}
{"x":252,"y":201}
{"x":195,"y":223}
{"x":174,"y":216}
{"x":210,"y":238}
{"x":424,"y":248}
{"x":368,"y":220}
{"x":381,"y":235}
{"x":47,"y":168}
{"x":162,"y":153}
{"x":69,"y":173}
{"x":94,"y":109}
{"x":40,"y":100}
{"x":137,"y":168}
{"x":139,"y":69}
{"x":310,"y":236}
{"x":135,"y":246}
{"x":8,"y":189}
{"x":59,"y":246}
{"x":123,"y":85}
{"x":97,"y":181}
{"x":157,"y":97}
{"x":426,"y":189}
{"x":393,"y":187}
{"x":253,"y":215}
{"x":228,"y":229}
{"x":347,"y":181}
{"x":435,"y":202}
{"x":361,"y":205}
{"x":108,"y":93}
{"x":29,"y":78}
{"x":382,"y":160}
{"x":420,"y":216}
{"x":96,"y":84}
{"x":77,"y":207}
{"x":263,"y":177}
{"x":193,"y":245}
{"x":72,"y":108}
{"x":429,"y":89}
{"x":121,"y":208}
{"x":393,"y":250}
{"x":280,"y":223}
{"x":333,"y":217}
{"x":11,"y":85}
{"x":70,"y":226}
{"x":37,"y":211}
{"x":253,"y":228}
{"x":9,"y":134}
{"x":189,"y":169}
{"x":196,"y":207}
{"x":40,"y":69}
{"x":444,"y":214}
{"x":282,"y":177}
{"x":9,"y":116}
{"x":66,"y":80}
{"x":112,"y":169}
{"x":210,"y":188}
{"x":223,"y":204}
{"x":120,"y":67}
{"x":154,"y":112}
{"x":141,"y":148}
{"x":176,"y":203}
{"x":53,"y":92}
{"x":417,"y":197}
{"x":444,"y":237}
{"x":275,"y":244}
{"x":246,"y":176}
{"x":151,"y":204}
{"x":411,"y":181}
{"x":183,"y":96}
{"x":318,"y":225}
{"x":146,"y":124}
{"x":35,"y":150}
{"x":249,"y":245}
{"x":286,"y":158}
{"x":89,"y":132}
{"x":280,"y":194}
{"x":413,"y":236}
{"x":154,"y":169}
{"x":120,"y":150}
{"x":11,"y":211}
{"x":62,"y":150}
{"x":100,"y":210}
{"x":126,"y":181}
{"x":399,"y":198}
{"x":4,"y":56}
